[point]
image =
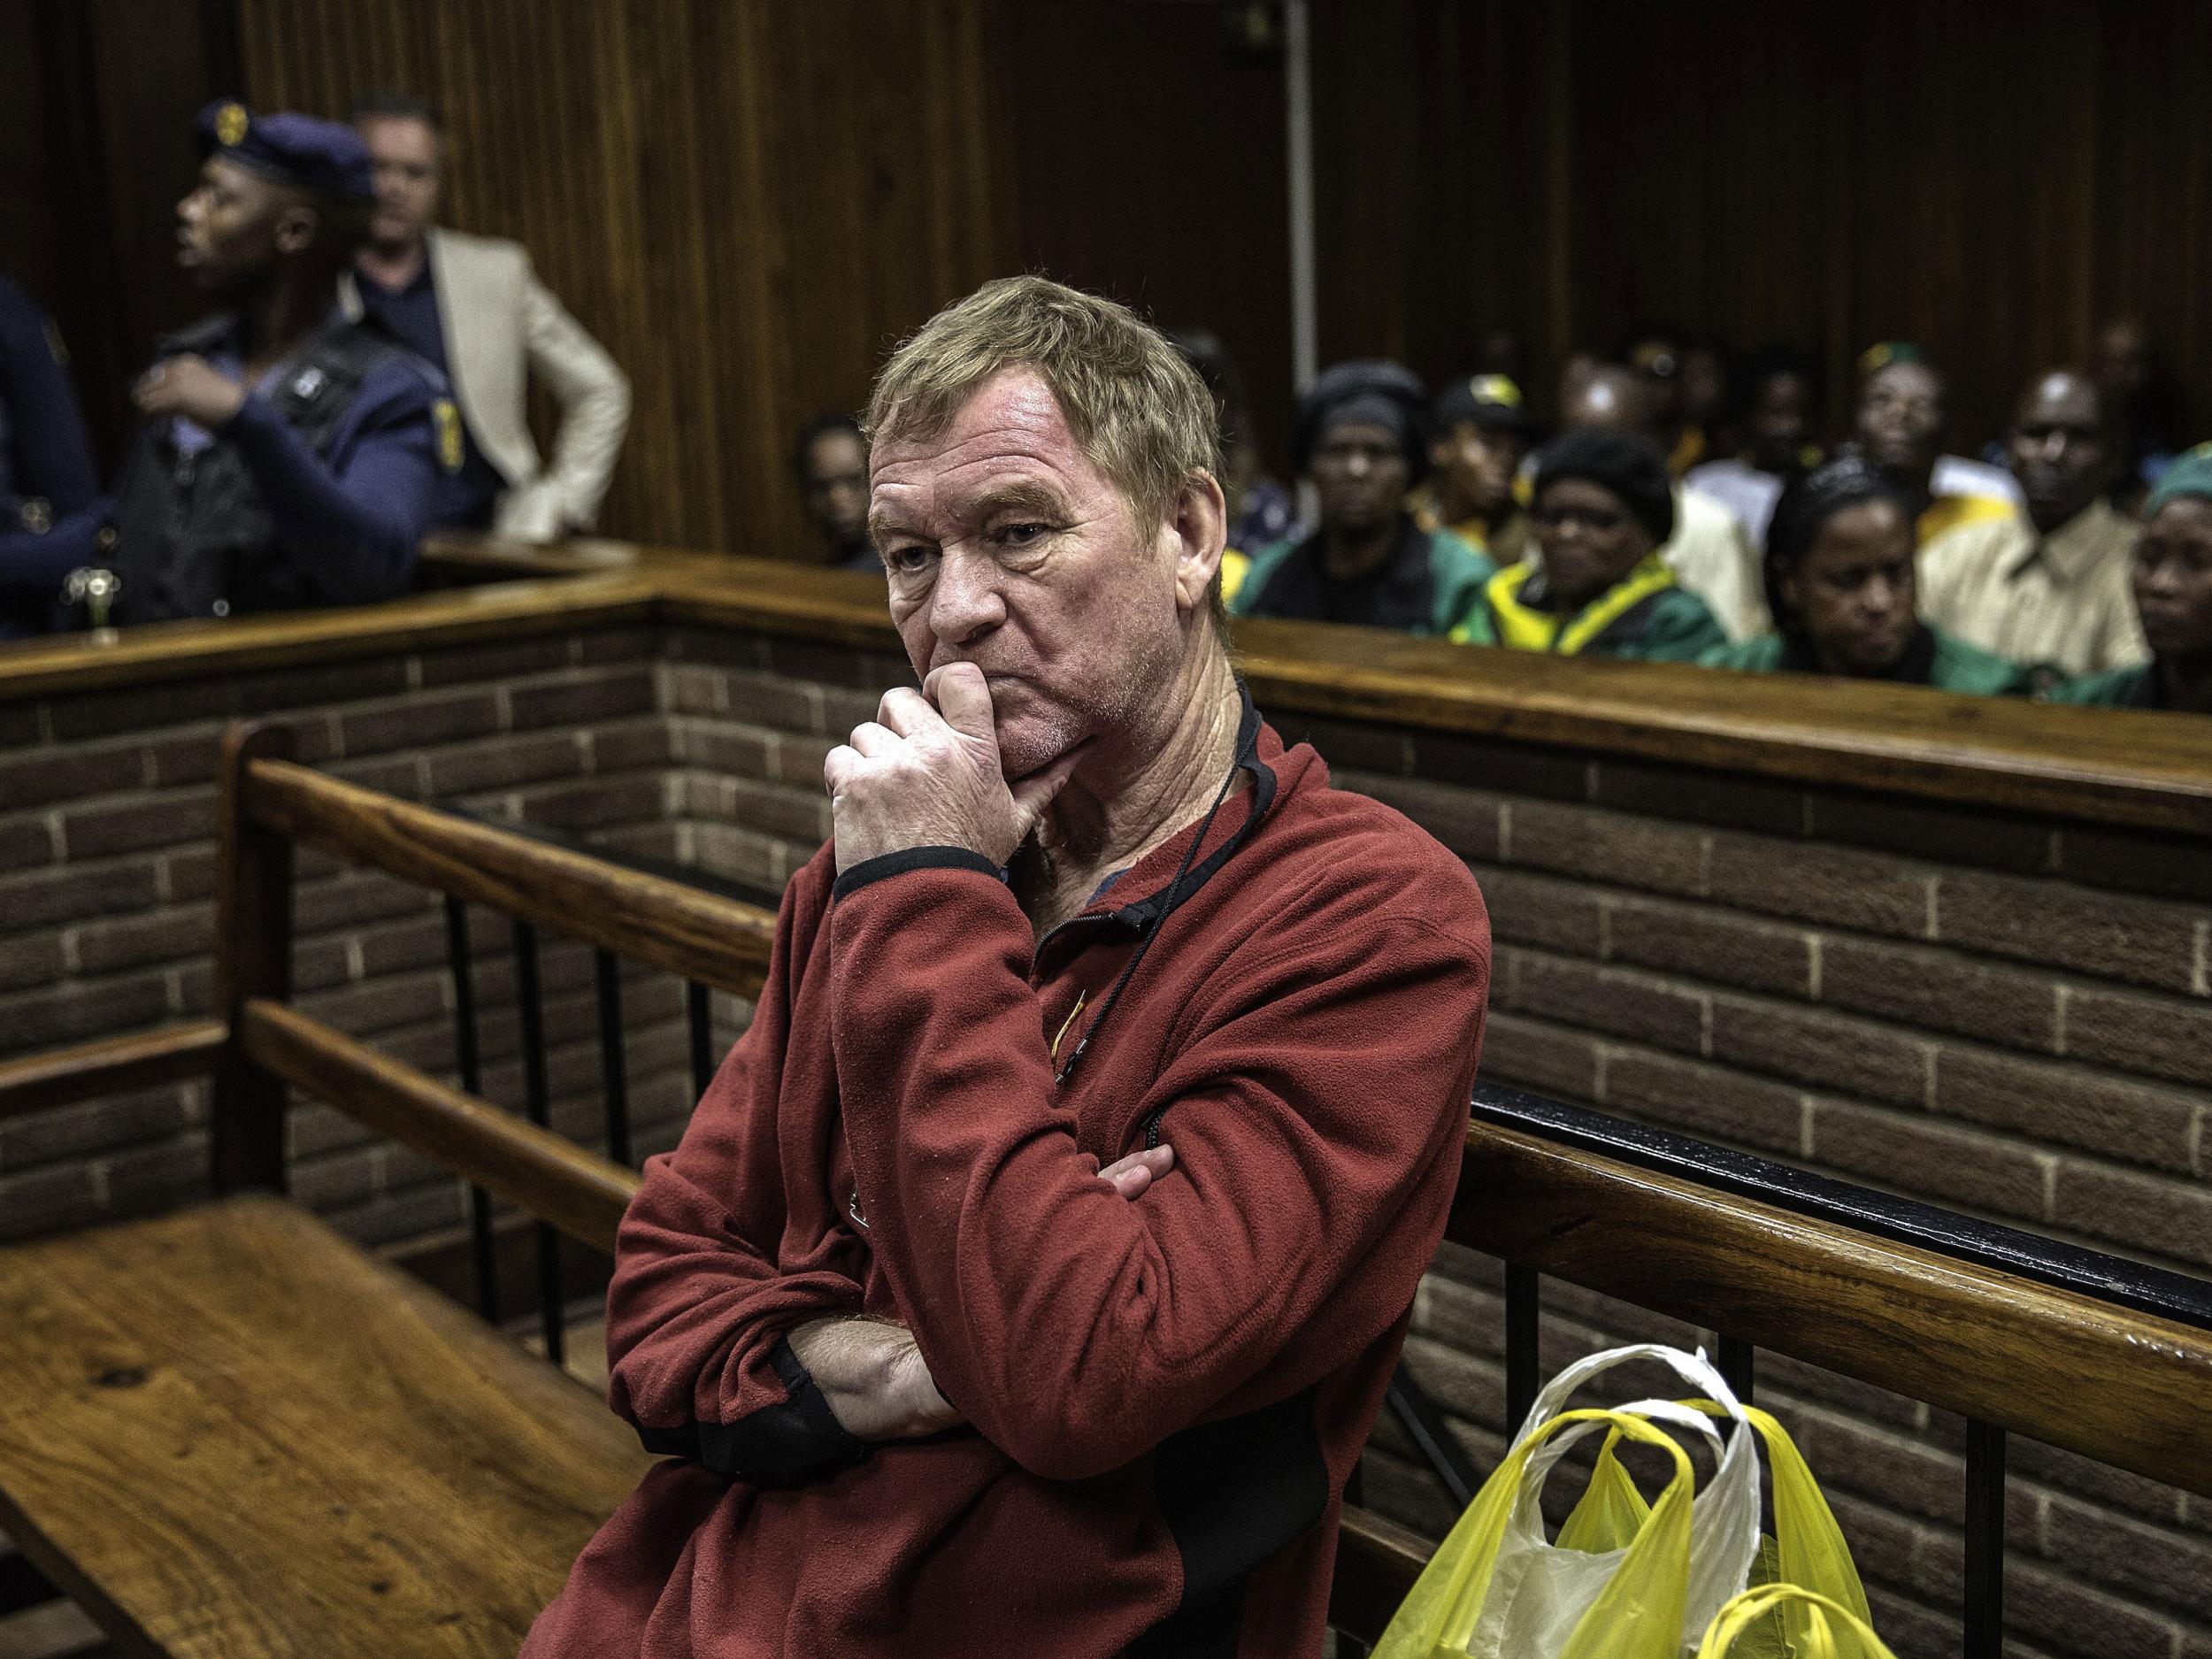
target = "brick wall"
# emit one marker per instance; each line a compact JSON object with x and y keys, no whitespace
{"x":2006,"y":1015}
{"x":107,"y":874}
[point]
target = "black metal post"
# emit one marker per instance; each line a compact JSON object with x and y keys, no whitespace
{"x":1737,"y":1361}
{"x":613,"y":1076}
{"x":1524,"y":1303}
{"x":537,"y":1101}
{"x":1424,"y":1425}
{"x":699,"y":1007}
{"x":1984,"y":1587}
{"x":482,"y":1242}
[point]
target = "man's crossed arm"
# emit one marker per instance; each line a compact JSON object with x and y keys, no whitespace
{"x":871,"y":1372}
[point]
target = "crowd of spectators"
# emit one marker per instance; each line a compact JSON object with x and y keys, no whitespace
{"x":1687,"y":507}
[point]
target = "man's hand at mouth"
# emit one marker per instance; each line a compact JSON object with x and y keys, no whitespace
{"x":926,"y":772}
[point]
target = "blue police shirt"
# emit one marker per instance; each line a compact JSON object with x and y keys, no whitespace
{"x":45,"y":453}
{"x":465,"y":499}
{"x":354,"y":520}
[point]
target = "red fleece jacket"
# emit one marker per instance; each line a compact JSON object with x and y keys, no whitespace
{"x":1167,"y":1395}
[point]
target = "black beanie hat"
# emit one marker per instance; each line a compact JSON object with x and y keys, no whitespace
{"x":1627,"y":463}
{"x":1803,"y":510}
{"x":1387,"y":394}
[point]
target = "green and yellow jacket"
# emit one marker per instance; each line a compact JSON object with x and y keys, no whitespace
{"x":1646,"y":615}
{"x":1933,"y":659}
{"x":1425,"y":586}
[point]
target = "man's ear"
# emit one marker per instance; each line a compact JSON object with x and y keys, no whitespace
{"x":1198,"y":521}
{"x":296,"y":228}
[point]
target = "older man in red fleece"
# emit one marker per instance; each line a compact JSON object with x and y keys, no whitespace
{"x":1028,"y":1280}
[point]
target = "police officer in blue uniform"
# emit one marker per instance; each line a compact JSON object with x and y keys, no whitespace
{"x":288,"y":457}
{"x":46,"y":469}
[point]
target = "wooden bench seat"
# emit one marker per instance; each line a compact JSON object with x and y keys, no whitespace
{"x":229,"y":1431}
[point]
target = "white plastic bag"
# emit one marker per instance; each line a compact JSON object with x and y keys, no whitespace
{"x":1540,"y":1591}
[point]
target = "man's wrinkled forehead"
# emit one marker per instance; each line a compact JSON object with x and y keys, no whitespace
{"x":1009,"y":431}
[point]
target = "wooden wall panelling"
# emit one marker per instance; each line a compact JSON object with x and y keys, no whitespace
{"x":1155,"y":170}
{"x":747,"y":203}
{"x":96,"y":105}
{"x":1440,"y":166}
{"x":1830,"y":174}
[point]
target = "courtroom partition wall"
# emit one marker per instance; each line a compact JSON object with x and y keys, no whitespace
{"x":1955,"y":948}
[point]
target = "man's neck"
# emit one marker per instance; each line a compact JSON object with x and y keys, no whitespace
{"x":284,"y":315}
{"x":1154,"y":789}
{"x":1919,"y":488}
{"x":2186,"y":682}
{"x":394,"y":265}
{"x":1348,"y":554}
{"x":1456,"y":509}
{"x":2044,"y":531}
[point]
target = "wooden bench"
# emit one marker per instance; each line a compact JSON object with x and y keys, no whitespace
{"x":229,"y":1431}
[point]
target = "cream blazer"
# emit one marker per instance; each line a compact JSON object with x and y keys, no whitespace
{"x":501,"y":326}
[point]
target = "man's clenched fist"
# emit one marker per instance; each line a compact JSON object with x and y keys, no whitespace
{"x":925,"y":773}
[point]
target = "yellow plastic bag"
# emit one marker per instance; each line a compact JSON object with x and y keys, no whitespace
{"x":1637,"y":1615}
{"x":1831,"y":1630}
{"x":1809,"y":1553}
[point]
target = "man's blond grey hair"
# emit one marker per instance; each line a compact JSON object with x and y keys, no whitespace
{"x":1132,"y":402}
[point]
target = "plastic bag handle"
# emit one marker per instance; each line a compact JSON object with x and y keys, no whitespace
{"x":1810,"y":1545}
{"x":1692,"y":1368}
{"x":1820,"y":1614}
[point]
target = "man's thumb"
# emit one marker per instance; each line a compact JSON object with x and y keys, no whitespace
{"x":964,"y":697}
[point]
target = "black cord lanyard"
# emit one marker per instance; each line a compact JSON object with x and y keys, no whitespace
{"x":1167,"y":906}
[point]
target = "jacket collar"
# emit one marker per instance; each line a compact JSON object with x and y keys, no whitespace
{"x":2072,"y":552}
{"x":1138,"y":897}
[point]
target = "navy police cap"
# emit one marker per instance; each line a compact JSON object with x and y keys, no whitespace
{"x":326,"y":158}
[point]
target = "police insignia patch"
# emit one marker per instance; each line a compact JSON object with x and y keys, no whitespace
{"x":448,"y":420}
{"x":230,"y":124}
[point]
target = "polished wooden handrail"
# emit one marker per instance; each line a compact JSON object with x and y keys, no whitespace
{"x":547,"y":1174}
{"x":2117,"y":1386}
{"x":2143,"y":769}
{"x":717,"y":940}
{"x":61,"y":1076}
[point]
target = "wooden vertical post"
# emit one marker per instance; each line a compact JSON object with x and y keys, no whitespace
{"x":253,"y":957}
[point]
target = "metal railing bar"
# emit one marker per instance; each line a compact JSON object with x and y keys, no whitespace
{"x":483,"y":1253}
{"x":2091,"y":1273}
{"x":1737,"y":1361}
{"x":613,"y":1075}
{"x":1424,"y":1425}
{"x":530,"y":1000}
{"x":699,"y":1012}
{"x":23,"y":1586}
{"x":1523,"y":1306}
{"x":1984,"y":1576}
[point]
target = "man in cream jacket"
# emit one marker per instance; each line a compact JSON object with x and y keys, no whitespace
{"x":473,"y":306}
